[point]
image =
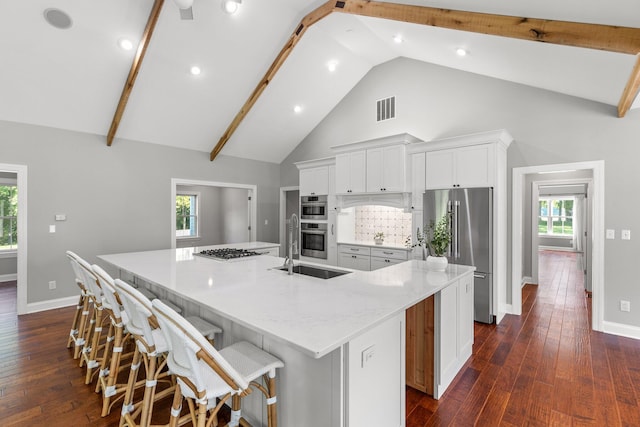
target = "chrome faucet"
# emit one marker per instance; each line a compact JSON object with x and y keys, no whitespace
{"x":293,"y":244}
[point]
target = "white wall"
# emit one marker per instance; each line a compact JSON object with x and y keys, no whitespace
{"x":549,"y":128}
{"x":117,"y":199}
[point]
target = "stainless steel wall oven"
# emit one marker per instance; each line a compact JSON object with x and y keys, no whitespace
{"x":314,"y":239}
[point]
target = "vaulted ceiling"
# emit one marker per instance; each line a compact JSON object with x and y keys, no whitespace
{"x":73,"y":78}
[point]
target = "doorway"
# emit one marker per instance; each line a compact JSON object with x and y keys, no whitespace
{"x":212,"y":213}
{"x":18,"y":174}
{"x":520,"y":226}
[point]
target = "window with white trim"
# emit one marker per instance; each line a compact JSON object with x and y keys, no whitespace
{"x":555,"y":216}
{"x":8,"y":217}
{"x":187,"y":215}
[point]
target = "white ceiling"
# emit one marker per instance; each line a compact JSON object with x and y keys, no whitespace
{"x":72,"y":79}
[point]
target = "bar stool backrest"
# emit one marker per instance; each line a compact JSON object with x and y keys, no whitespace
{"x":108,"y":290}
{"x":90,"y":280}
{"x":138,"y":309}
{"x":73,"y":259}
{"x":187,"y":346}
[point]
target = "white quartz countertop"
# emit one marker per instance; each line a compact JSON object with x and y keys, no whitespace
{"x":313,"y":315}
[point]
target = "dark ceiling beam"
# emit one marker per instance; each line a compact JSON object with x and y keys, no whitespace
{"x":591,"y":36}
{"x":135,"y":68}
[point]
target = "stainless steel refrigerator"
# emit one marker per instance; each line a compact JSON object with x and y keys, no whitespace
{"x":471,"y":211}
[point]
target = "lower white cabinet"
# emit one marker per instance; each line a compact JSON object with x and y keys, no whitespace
{"x":369,"y":258}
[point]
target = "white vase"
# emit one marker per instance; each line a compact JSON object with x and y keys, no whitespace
{"x":437,"y":263}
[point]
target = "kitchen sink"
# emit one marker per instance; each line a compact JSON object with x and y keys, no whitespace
{"x":319,"y":272}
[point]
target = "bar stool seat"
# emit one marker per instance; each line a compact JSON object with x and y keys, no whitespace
{"x":151,"y":296}
{"x":205,"y":328}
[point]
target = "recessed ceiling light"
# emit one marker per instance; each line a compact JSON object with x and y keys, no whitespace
{"x":398,"y":38}
{"x":125,"y":44}
{"x":58,"y":18}
{"x":231,"y":6}
{"x":332,"y":65}
{"x":297,"y":109}
{"x":195,"y":70}
{"x":461,"y":51}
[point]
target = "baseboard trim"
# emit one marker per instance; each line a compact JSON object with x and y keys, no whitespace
{"x":621,"y":329}
{"x":35,"y":307}
{"x":525,"y":280}
{"x":556,"y":248}
{"x":8,"y":277}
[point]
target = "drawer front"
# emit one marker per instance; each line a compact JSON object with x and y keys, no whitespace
{"x":389,"y":253}
{"x":377,"y":263}
{"x":357,"y":250}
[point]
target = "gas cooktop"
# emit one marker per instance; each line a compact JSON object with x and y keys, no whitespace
{"x":226,"y":253}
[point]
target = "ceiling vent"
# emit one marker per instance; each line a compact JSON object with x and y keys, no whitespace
{"x":386,"y":108}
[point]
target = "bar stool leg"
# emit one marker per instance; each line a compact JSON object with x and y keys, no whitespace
{"x":272,"y":414}
{"x":95,"y":343}
{"x":73,"y":334}
{"x":127,"y":404}
{"x":82,"y":327}
{"x":105,"y":360}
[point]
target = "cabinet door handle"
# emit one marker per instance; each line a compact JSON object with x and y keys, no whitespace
{"x":387,"y":253}
{"x":332,"y":229}
{"x":354,"y":249}
{"x":353,"y":256}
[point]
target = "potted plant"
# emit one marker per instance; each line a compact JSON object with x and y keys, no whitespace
{"x":379,"y":237}
{"x":437,"y":237}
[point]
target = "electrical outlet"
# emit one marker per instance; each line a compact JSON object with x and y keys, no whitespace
{"x":367,"y":355}
{"x":625,"y":305}
{"x":611,"y":234}
{"x":52,"y":284}
{"x":625,"y":234}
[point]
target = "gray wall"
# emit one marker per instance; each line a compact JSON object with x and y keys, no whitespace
{"x":549,"y":128}
{"x":117,"y":199}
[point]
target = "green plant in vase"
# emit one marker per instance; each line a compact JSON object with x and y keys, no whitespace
{"x":437,"y":236}
{"x":378,"y":237}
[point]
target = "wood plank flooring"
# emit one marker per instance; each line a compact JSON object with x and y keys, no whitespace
{"x":544,"y":368}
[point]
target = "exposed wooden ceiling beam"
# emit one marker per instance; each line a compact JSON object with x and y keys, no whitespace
{"x":135,"y":68}
{"x":630,"y":90}
{"x":592,"y":36}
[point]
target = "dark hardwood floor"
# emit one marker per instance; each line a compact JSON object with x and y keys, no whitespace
{"x":544,"y":368}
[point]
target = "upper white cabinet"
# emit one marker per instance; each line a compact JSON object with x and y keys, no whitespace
{"x":374,"y":166}
{"x":386,"y":169}
{"x":314,"y":176}
{"x":472,"y":166}
{"x":418,"y":179}
{"x":351,"y":172}
{"x":314,"y":181}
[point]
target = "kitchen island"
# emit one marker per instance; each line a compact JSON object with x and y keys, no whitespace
{"x":341,"y":339}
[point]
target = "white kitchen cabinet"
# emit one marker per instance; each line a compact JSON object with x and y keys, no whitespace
{"x":332,"y":246}
{"x":418,"y":179}
{"x":355,"y":257}
{"x":274,"y":251}
{"x":446,"y":337}
{"x":465,"y":327}
{"x":386,"y":169}
{"x":351,"y":172}
{"x":384,"y":257}
{"x":314,"y":181}
{"x":472,"y":166}
{"x":356,"y":262}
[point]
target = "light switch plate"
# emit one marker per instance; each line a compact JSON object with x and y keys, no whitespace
{"x":625,"y":234}
{"x":61,"y":217}
{"x":611,"y":234}
{"x":625,"y":305}
{"x":367,"y":355}
{"x":52,"y":229}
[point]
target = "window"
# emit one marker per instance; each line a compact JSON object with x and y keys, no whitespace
{"x":555,"y":216}
{"x":187,"y":215}
{"x":8,"y":218}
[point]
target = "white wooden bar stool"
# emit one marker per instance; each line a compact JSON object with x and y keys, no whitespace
{"x":94,"y":341}
{"x":205,"y":375}
{"x":81,"y":317}
{"x":111,"y":364}
{"x":150,"y":349}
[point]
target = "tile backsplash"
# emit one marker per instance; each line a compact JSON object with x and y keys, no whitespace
{"x":393,"y":222}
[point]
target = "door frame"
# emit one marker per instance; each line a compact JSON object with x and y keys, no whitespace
{"x":597,"y":234}
{"x":181,"y":181}
{"x":21,"y":172}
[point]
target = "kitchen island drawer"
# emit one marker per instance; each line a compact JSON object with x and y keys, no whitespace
{"x":389,"y":253}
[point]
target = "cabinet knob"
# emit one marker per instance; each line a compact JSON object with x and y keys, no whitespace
{"x":353,"y":256}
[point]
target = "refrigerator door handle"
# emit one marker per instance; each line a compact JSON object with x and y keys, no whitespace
{"x":451,"y":250}
{"x":456,"y":238}
{"x":480,"y":275}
